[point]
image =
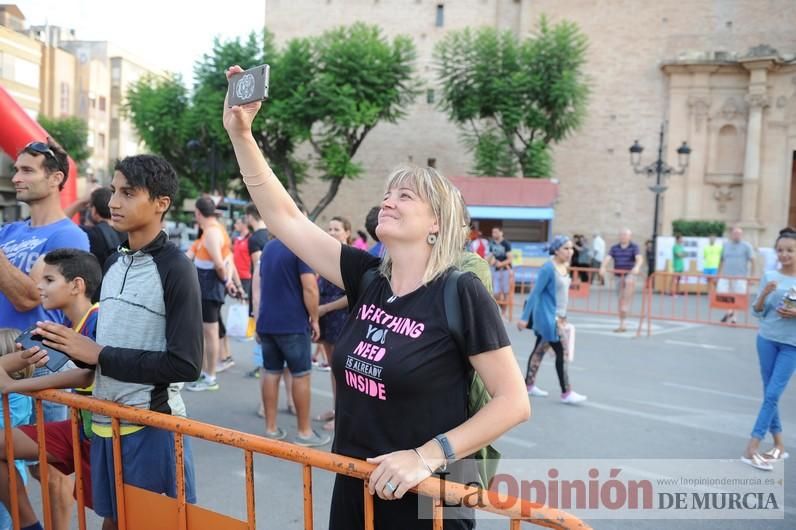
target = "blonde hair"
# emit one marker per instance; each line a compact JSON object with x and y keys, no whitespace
{"x":449,"y":210}
{"x":8,"y":344}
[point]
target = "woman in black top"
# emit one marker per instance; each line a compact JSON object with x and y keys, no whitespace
{"x":401,"y":379}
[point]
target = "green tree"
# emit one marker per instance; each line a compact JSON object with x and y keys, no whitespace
{"x":71,"y":133}
{"x":359,"y":80}
{"x":274,"y":128}
{"x":328,"y":92}
{"x":158,"y":106}
{"x":513,"y":98}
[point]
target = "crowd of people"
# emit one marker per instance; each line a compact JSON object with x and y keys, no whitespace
{"x":401,"y":372}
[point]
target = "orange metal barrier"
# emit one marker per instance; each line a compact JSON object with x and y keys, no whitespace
{"x":139,"y":509}
{"x":587,"y":297}
{"x":679,"y":297}
{"x":508,"y":303}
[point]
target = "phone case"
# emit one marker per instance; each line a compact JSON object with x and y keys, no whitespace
{"x":249,"y":86}
{"x":57,"y":358}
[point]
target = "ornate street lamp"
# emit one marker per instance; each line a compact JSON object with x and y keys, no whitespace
{"x":661,"y":171}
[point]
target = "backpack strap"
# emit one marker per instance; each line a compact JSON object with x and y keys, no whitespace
{"x":453,"y":309}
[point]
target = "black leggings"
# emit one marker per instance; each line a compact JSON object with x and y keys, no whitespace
{"x":535,"y":360}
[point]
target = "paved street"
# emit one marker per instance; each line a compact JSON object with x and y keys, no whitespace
{"x":689,"y":391}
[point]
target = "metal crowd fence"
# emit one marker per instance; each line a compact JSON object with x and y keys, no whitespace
{"x":700,"y":299}
{"x":508,"y":303}
{"x":678,"y":297}
{"x":620,"y":287}
{"x":139,"y":509}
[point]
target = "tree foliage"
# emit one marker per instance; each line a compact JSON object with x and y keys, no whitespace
{"x":327,"y":92}
{"x":698,"y":228}
{"x":71,"y":133}
{"x":513,"y":98}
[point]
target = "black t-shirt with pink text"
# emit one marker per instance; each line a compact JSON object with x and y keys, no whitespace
{"x":401,"y":380}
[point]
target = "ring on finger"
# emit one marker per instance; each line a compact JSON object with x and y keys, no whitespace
{"x":390,"y":487}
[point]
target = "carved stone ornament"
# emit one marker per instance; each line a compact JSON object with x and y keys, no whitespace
{"x":762,"y":50}
{"x":732,"y":109}
{"x":699,"y":106}
{"x":758,"y":100}
{"x":723,"y":195}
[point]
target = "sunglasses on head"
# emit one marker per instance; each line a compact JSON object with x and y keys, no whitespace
{"x":41,"y":148}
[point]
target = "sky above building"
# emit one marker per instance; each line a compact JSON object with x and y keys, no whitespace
{"x":163,"y":34}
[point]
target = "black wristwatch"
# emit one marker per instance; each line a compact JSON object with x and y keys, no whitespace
{"x":450,"y":456}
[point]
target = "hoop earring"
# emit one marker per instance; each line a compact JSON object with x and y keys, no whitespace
{"x":431,"y":239}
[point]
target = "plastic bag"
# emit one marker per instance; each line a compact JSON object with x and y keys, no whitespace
{"x":238,"y":321}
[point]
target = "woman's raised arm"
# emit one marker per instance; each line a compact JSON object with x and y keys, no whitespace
{"x":285,"y":221}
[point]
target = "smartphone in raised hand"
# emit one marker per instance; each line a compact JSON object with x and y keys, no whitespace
{"x":248,"y":86}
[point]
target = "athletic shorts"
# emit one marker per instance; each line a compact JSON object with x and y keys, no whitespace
{"x":58,"y":444}
{"x":211,"y":311}
{"x":501,"y":280}
{"x":148,"y":462}
{"x":732,"y":286}
{"x":52,"y":411}
{"x":293,"y":350}
{"x":710,"y":272}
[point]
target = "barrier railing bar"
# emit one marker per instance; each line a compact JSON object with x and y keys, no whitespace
{"x":248,"y":464}
{"x":514,"y":524}
{"x":77,"y":458}
{"x":118,"y":474}
{"x":369,"y":512}
{"x":307,"y":476}
{"x":12,"y":469}
{"x":437,"y":514}
{"x":179,"y":469}
{"x":452,"y":492}
{"x":44,"y":468}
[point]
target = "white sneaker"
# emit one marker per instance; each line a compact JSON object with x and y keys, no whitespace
{"x":537,"y":392}
{"x":202,"y":385}
{"x":224,"y":364}
{"x":572,"y":398}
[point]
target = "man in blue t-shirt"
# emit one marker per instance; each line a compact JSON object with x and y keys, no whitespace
{"x":286,"y":323}
{"x":627,"y":260}
{"x":41,"y":170}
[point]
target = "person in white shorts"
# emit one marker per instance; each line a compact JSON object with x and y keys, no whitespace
{"x":737,"y":263}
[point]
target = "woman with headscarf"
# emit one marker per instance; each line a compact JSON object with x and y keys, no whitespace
{"x":546,"y":310}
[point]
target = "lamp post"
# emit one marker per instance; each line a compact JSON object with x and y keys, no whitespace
{"x":661,"y":171}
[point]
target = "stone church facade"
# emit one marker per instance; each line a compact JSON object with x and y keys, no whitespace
{"x":719,"y":74}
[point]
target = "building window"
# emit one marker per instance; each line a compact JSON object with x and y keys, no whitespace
{"x":432,"y":162}
{"x":102,"y":103}
{"x":64,"y":98}
{"x":101,"y":141}
{"x":430,"y":96}
{"x":440,"y":15}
